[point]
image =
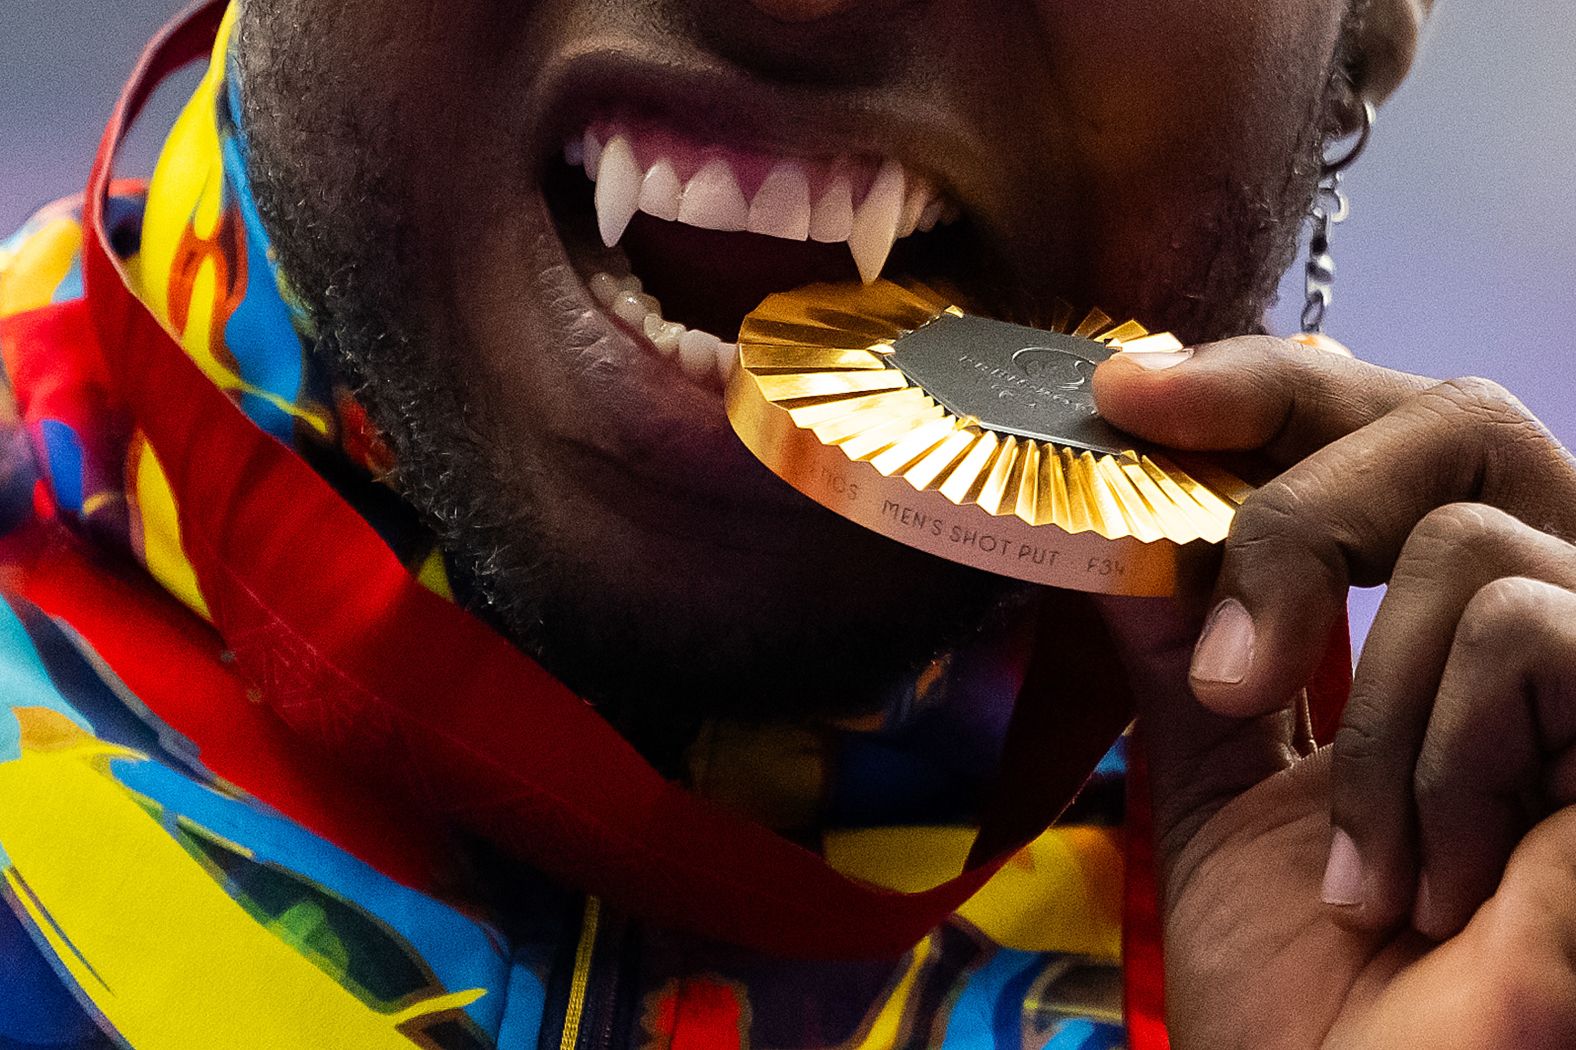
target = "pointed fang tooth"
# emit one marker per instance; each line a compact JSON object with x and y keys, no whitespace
{"x":875,"y":224}
{"x":660,"y":191}
{"x":617,"y":190}
{"x":832,"y":221}
{"x":713,"y":201}
{"x":782,"y":204}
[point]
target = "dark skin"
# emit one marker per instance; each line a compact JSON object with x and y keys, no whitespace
{"x":1451,"y":772}
{"x":613,"y":527}
{"x":584,"y":460}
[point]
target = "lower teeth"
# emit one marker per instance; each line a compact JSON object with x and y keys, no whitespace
{"x":703,"y":356}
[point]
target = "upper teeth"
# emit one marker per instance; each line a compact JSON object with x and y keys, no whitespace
{"x":870,"y":207}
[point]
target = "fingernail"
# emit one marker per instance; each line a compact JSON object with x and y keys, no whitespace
{"x":1343,"y":874}
{"x":1154,"y":361}
{"x":1225,"y":652}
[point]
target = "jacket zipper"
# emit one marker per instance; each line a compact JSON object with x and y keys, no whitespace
{"x":607,"y":1000}
{"x":574,"y":1013}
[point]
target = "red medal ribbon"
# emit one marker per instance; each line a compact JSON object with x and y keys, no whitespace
{"x":455,"y":726}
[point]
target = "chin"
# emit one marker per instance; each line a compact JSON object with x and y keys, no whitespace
{"x":542,"y":314}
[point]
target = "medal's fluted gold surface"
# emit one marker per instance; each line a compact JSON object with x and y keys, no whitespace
{"x":817,"y":399}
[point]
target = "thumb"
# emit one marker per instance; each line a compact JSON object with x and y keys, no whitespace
{"x":1198,"y":760}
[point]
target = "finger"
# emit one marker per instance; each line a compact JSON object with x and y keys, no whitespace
{"x":1198,"y":760}
{"x":1342,"y":516}
{"x":1254,"y":393}
{"x":1508,"y":980}
{"x":1452,"y":554}
{"x":1507,"y":701}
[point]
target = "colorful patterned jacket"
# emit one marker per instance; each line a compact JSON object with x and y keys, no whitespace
{"x":263,"y":783}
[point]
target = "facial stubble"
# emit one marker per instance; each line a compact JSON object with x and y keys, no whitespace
{"x":658,"y":665}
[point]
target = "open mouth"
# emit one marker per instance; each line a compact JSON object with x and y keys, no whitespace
{"x":678,"y":235}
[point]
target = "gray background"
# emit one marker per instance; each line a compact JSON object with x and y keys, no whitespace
{"x":1459,"y":257}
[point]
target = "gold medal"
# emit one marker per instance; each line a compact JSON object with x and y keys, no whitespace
{"x":973,"y":439}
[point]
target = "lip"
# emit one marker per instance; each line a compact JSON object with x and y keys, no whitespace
{"x":768,"y":518}
{"x":663,"y":431}
{"x":697,"y":96}
{"x":683,"y":440}
{"x":600,"y":84}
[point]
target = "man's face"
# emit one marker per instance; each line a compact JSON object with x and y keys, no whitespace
{"x":1150,"y":156}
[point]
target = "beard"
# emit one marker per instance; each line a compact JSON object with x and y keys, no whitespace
{"x":329,"y":194}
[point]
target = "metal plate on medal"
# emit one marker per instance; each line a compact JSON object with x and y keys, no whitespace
{"x":973,"y":439}
{"x":1014,"y":380}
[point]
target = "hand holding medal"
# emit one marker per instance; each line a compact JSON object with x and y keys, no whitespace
{"x":1451,"y":492}
{"x":1448,"y":783}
